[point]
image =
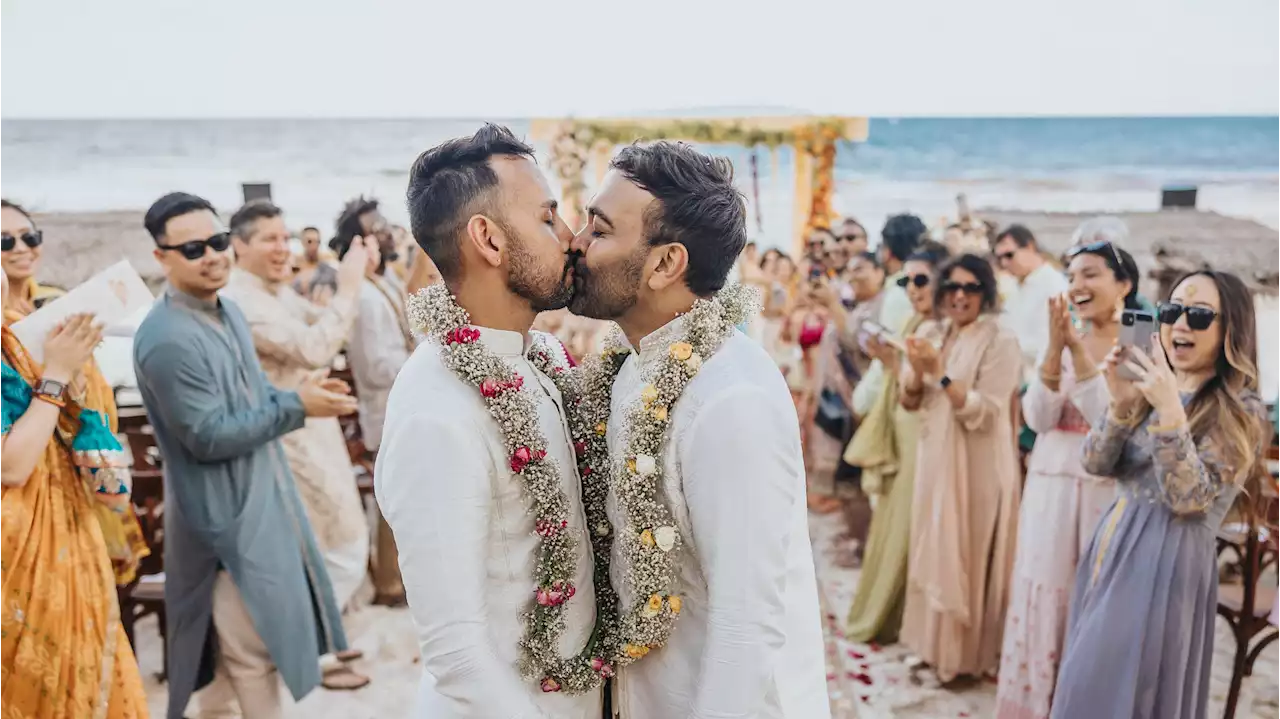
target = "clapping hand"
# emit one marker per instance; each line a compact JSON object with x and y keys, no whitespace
{"x":69,"y":346}
{"x":1062,"y":331}
{"x":324,"y":396}
{"x":923,"y":357}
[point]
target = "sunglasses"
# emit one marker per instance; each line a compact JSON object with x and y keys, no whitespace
{"x":195,"y":249}
{"x":851,"y":238}
{"x":31,"y":239}
{"x":1004,"y":256}
{"x":969,"y":288}
{"x":1094,"y":248}
{"x":1198,"y":318}
{"x":917,"y":280}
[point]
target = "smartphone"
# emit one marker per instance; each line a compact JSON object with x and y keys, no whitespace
{"x":1136,"y":328}
{"x":884,"y":335}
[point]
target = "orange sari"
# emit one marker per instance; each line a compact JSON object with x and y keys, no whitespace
{"x":120,"y":529}
{"x":64,"y":653}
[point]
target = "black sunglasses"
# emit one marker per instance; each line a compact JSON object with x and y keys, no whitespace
{"x":969,"y":288}
{"x":1198,"y":318}
{"x":1094,"y":248}
{"x":30,"y":239}
{"x":1004,"y":256}
{"x":917,"y":280}
{"x":851,"y":238}
{"x":195,"y":249}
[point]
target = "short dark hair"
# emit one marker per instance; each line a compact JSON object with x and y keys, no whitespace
{"x":931,"y":253}
{"x":696,"y":206}
{"x":979,"y":268}
{"x":348,"y":226}
{"x":868,"y":256}
{"x":901,"y":235}
{"x":448,"y":184}
{"x":310,"y":228}
{"x":174,"y":204}
{"x":247,"y":216}
{"x":1020,"y":235}
{"x":18,"y":208}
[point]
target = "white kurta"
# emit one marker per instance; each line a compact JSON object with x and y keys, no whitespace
{"x":748,"y":642}
{"x":466,"y":538}
{"x":1026,"y":311}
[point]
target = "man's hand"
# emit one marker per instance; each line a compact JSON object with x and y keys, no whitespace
{"x":355,"y":263}
{"x":323,"y":396}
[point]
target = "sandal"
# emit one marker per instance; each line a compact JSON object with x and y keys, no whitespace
{"x":343,"y":679}
{"x":346,"y":656}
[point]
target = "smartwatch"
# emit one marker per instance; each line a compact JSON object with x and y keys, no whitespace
{"x":945,"y":382}
{"x":51,"y":391}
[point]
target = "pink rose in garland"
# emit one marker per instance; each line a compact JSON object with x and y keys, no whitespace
{"x":548,"y":528}
{"x":558,"y":593}
{"x":464,"y":335}
{"x":550,"y":685}
{"x":490,"y":387}
{"x":601,"y":667}
{"x":523,"y":456}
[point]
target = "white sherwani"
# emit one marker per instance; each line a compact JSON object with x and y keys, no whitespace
{"x":748,"y":642}
{"x":466,"y":538}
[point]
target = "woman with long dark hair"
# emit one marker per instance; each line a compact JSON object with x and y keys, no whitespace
{"x":1061,"y":503}
{"x":966,"y":492}
{"x":1184,"y":442}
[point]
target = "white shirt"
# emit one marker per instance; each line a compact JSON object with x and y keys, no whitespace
{"x":748,"y":642}
{"x":381,"y":342}
{"x":1026,"y":310}
{"x":466,"y":538}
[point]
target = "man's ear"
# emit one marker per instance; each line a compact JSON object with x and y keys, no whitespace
{"x":486,"y":238}
{"x":669,"y":263}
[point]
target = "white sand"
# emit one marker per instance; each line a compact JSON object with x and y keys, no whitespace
{"x":391,"y":659}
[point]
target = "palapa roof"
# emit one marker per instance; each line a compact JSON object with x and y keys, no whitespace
{"x":1170,"y":240}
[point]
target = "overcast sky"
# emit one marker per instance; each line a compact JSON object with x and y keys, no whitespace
{"x":522,"y":58}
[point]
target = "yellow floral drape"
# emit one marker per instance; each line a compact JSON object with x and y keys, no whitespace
{"x":64,"y":651}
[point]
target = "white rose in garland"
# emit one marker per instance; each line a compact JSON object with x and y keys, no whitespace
{"x":649,"y":536}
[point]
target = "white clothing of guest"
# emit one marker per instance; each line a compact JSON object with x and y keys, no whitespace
{"x":381,"y":343}
{"x":466,"y":539}
{"x":1027,"y":306}
{"x":748,"y":642}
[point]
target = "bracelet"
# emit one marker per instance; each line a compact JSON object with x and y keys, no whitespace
{"x":50,"y":399}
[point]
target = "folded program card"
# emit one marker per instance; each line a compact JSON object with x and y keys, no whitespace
{"x":113,"y":296}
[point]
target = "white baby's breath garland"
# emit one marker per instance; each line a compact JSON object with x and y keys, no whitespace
{"x":650,"y":539}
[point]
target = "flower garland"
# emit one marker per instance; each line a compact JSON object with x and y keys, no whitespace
{"x":436,"y":312}
{"x":649,"y":537}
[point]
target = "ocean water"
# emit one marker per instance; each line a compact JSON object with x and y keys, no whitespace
{"x":911,"y":164}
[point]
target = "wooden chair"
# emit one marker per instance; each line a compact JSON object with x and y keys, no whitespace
{"x":1246,"y":605}
{"x":145,"y":595}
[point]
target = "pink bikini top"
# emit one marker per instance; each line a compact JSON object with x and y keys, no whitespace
{"x":810,"y":334}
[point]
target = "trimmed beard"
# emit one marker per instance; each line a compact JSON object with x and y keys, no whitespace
{"x":608,"y":294}
{"x":543,"y":293}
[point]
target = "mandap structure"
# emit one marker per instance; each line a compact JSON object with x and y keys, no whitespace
{"x":575,"y":145}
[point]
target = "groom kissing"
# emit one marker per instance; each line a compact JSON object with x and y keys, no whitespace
{"x":477,"y":474}
{"x":691,"y":437}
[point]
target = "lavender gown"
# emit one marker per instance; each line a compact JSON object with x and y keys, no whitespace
{"x":1140,"y":639}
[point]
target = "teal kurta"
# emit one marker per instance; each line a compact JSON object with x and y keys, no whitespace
{"x":230,"y":501}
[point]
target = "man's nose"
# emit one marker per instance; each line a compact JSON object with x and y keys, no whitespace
{"x":580,"y":242}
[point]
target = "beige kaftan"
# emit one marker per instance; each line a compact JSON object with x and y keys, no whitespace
{"x":964,"y":517}
{"x":294,"y":338}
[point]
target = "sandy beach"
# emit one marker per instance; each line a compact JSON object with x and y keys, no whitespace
{"x":865,"y":681}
